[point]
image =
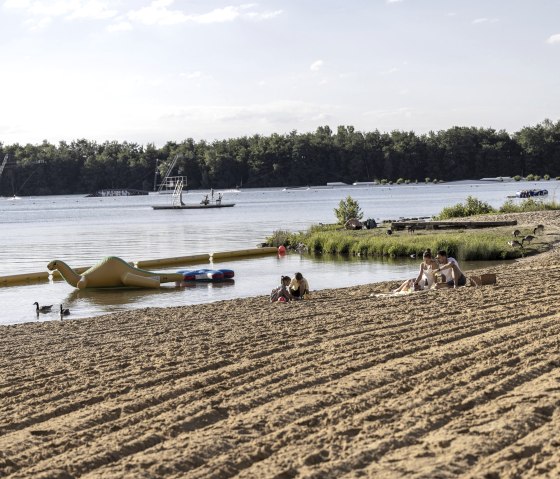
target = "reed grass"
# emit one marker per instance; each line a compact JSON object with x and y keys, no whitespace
{"x":464,"y":245}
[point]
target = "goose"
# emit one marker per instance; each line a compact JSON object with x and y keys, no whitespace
{"x":515,"y":244}
{"x":527,"y":239}
{"x":64,"y":311}
{"x":516,"y":233}
{"x":538,"y":230}
{"x":42,"y":309}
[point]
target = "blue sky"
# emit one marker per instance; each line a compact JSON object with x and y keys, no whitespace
{"x":152,"y":71}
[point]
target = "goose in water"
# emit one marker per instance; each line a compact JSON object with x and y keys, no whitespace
{"x":64,"y":311}
{"x":42,"y":309}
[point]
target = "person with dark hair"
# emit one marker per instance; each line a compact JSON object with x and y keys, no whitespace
{"x":299,"y":286}
{"x":425,"y":277}
{"x":449,"y":268}
{"x":282,"y":292}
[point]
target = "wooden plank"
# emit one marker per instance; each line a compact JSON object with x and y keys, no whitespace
{"x":402,"y":225}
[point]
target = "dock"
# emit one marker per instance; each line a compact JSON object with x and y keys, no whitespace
{"x":436,"y":225}
{"x":118,"y":192}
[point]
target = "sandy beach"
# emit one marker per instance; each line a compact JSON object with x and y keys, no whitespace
{"x":443,"y":383}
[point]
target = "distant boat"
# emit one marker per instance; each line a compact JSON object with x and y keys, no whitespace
{"x":530,"y":193}
{"x":499,"y":178}
{"x":206,"y":203}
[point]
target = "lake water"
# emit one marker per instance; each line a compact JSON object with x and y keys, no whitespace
{"x":81,"y":231}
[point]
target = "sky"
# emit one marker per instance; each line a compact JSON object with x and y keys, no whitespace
{"x":153,"y":71}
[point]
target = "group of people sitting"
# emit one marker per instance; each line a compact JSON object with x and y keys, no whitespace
{"x":290,"y":289}
{"x":440,"y":272}
{"x":446,"y":267}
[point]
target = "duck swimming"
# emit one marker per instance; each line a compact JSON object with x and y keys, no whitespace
{"x":42,"y":309}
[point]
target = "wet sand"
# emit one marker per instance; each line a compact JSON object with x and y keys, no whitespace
{"x":444,"y":383}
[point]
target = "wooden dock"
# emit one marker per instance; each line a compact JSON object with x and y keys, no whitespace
{"x":436,"y":225}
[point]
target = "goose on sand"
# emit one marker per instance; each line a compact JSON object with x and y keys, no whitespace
{"x":527,"y":239}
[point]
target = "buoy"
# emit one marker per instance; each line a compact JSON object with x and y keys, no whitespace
{"x":281,"y":250}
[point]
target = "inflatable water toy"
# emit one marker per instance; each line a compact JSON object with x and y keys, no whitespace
{"x":206,"y":274}
{"x":112,"y":272}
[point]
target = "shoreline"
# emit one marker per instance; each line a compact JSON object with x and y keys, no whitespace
{"x":444,"y":383}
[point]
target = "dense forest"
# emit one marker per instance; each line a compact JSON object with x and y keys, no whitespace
{"x":294,"y":159}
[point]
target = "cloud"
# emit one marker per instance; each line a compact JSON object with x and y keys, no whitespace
{"x":390,"y":71}
{"x":159,"y":13}
{"x":271,"y":114}
{"x":404,"y":112}
{"x":120,"y":26}
{"x":394,"y":1}
{"x":554,"y":38}
{"x":316,"y":65}
{"x":477,"y":21}
{"x":68,"y":9}
{"x":40,"y":13}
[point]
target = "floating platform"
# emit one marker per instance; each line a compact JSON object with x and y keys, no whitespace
{"x":193,"y":206}
{"x":435,"y":225}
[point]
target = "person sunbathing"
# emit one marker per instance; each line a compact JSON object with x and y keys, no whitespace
{"x":425,"y":278}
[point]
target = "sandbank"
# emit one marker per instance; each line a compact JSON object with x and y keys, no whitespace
{"x":446,"y":383}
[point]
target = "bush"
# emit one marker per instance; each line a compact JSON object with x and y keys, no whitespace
{"x":348,"y":209}
{"x":529,"y":204}
{"x":517,"y":178}
{"x":472,"y":206}
{"x":279,"y":237}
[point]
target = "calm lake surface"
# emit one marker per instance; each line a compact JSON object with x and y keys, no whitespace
{"x":81,"y":231}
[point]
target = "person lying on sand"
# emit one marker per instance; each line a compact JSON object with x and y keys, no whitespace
{"x":425,"y":278}
{"x":449,"y":268}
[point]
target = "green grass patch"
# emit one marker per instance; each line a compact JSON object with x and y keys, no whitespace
{"x":470,"y":245}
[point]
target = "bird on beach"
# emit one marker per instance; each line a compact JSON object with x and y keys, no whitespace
{"x":527,"y":239}
{"x":515,"y":244}
{"x":42,"y":309}
{"x":516,"y":233}
{"x":64,"y":312}
{"x":539,"y":229}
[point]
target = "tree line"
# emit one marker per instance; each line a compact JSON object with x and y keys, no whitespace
{"x":294,"y":159}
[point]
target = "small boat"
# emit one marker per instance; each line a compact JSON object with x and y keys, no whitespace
{"x":192,"y":206}
{"x":530,"y":193}
{"x":177,"y":202}
{"x":207,"y":274}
